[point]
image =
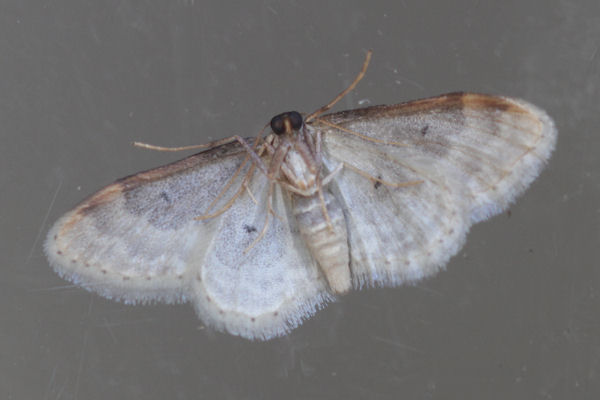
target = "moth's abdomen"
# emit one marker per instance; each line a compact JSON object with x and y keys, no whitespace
{"x":328,"y":243}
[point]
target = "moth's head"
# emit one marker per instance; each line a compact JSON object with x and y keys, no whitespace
{"x":286,"y":122}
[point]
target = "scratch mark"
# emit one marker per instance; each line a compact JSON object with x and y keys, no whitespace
{"x":62,"y":389}
{"x":81,"y":359}
{"x":39,"y":234}
{"x":398,"y":344}
{"x":51,"y":383}
{"x":63,"y":287}
{"x":430,"y":290}
{"x":53,"y":288}
{"x":83,"y":346}
{"x":593,"y":56}
{"x":107,"y":325}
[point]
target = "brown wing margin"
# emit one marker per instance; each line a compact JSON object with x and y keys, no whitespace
{"x":450,"y":101}
{"x":133,"y":181}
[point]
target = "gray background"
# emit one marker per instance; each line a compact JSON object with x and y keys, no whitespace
{"x":516,"y":314}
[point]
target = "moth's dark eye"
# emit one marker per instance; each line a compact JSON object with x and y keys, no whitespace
{"x":279,"y":121}
{"x":295,"y":120}
{"x":277,"y":124}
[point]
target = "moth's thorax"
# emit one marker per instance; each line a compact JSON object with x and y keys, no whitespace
{"x":300,"y":165}
{"x":298,"y":172}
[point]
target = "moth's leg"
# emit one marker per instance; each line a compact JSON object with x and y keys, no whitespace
{"x":243,"y":186}
{"x":309,"y":140}
{"x":324,"y":207}
{"x":183,"y":148}
{"x":333,"y":173}
{"x":310,"y":192}
{"x":293,"y":189}
{"x":214,"y":143}
{"x":251,"y":194}
{"x":320,"y":185}
{"x":382,"y":181}
{"x":257,"y":162}
{"x":277,"y":159}
{"x":255,"y":157}
{"x":318,"y":157}
{"x":266,"y":225}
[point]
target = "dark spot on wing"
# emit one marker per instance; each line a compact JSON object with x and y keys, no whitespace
{"x":424,"y":130}
{"x":377,"y":184}
{"x":165,"y":196}
{"x":249,"y":228}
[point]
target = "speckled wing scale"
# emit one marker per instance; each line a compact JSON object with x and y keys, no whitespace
{"x":378,"y":196}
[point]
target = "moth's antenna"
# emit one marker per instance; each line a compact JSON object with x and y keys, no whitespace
{"x":343,"y":93}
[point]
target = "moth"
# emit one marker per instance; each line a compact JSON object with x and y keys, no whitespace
{"x":260,"y":233}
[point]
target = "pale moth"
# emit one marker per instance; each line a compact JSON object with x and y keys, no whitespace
{"x":260,"y":233}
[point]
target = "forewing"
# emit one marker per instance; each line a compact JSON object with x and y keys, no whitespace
{"x":473,"y":154}
{"x":134,"y":240}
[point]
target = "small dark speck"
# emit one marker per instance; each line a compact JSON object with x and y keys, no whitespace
{"x":221,"y":312}
{"x":249,"y":228}
{"x":59,"y":252}
{"x":508,"y":214}
{"x":531,"y":251}
{"x":148,"y":278}
{"x":104,"y":271}
{"x":377,"y":184}
{"x":424,"y":130}
{"x":73,"y":261}
{"x":165,"y":197}
{"x":55,"y":237}
{"x":208,"y":298}
{"x":125,"y":278}
{"x":252,"y":319}
{"x":275,"y":313}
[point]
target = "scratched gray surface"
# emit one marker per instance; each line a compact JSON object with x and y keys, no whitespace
{"x":516,"y":315}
